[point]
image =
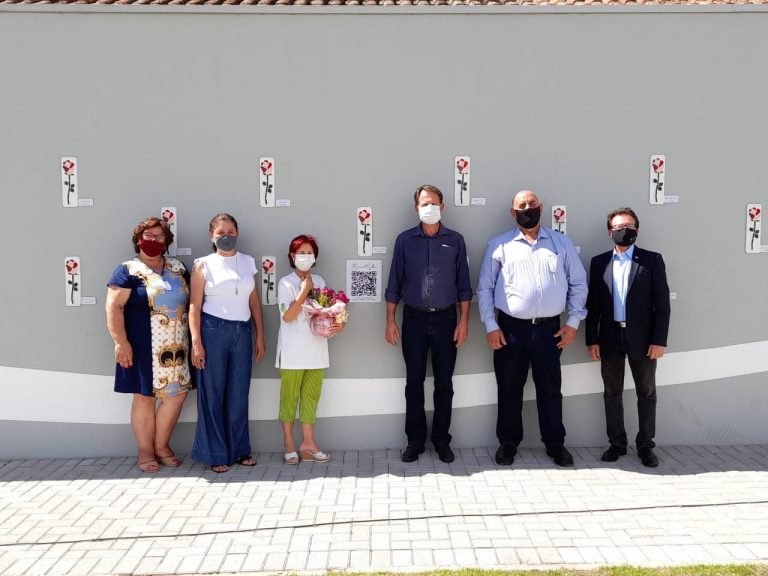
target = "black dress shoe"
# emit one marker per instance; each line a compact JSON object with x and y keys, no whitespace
{"x":411,"y":453}
{"x":613,"y":453}
{"x":445,"y":453}
{"x":505,"y":455}
{"x":648,"y":458}
{"x":560,"y":456}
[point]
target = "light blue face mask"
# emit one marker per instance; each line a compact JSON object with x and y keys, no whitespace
{"x":226,"y":243}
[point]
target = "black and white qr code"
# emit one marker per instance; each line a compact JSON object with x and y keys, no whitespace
{"x":364,"y":283}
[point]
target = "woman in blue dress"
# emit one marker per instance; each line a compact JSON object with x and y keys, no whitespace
{"x":147,"y":300}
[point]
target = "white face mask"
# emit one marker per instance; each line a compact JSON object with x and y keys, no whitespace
{"x":429,"y":214}
{"x":304,"y":261}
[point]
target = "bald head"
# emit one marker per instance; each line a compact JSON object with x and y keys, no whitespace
{"x":525,"y":199}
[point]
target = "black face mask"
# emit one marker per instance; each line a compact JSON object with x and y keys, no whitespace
{"x":528,"y":218}
{"x":625,"y":237}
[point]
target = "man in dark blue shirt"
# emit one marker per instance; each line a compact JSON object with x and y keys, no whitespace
{"x":430,"y":275}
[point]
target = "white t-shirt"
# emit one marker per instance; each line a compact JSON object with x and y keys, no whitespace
{"x":297,"y":347}
{"x":229,"y":281}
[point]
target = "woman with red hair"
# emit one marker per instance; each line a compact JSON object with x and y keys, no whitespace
{"x":301,"y":355}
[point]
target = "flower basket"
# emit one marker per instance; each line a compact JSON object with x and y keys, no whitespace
{"x":326,"y":308}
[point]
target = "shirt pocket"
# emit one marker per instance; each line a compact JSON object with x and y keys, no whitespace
{"x":447,"y":252}
{"x":551,"y":263}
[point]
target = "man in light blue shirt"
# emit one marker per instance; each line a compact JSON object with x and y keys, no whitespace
{"x":529,"y":276}
{"x":622,"y":262}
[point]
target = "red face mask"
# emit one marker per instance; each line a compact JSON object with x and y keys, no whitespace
{"x":151,"y":248}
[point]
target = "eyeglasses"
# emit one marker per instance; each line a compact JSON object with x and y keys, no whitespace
{"x":621,"y":227}
{"x":155,"y":237}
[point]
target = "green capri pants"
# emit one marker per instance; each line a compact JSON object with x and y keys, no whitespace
{"x":300,"y":384}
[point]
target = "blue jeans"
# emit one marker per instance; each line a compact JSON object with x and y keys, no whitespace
{"x":425,"y":332}
{"x":527,"y":346}
{"x":221,"y":435}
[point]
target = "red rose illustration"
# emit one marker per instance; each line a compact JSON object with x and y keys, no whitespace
{"x":365,"y":219}
{"x":268,"y":266}
{"x":559,"y":215}
{"x":658,"y":167}
{"x":266,"y":169}
{"x":69,"y":170}
{"x":754,"y":214}
{"x":71,"y":266}
{"x":462,"y":165}
{"x":168,"y":215}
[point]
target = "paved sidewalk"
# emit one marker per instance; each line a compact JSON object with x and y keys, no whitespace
{"x":368,"y":510}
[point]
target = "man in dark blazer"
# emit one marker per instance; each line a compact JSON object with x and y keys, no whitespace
{"x":628,"y":316}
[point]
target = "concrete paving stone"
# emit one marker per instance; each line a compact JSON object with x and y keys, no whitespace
{"x":317,"y":560}
{"x":168,"y":565}
{"x":464,"y":557}
{"x":232,"y":563}
{"x":759,"y":550}
{"x":18,"y":567}
{"x":401,"y":558}
{"x":338,"y":560}
{"x":360,"y":559}
{"x":213,"y":562}
{"x":740,"y":552}
{"x":147,"y":565}
{"x":612,"y":555}
{"x":422,"y":558}
{"x":486,"y":557}
{"x":189,"y":563}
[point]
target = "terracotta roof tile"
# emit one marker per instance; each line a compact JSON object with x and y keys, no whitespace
{"x":393,"y":4}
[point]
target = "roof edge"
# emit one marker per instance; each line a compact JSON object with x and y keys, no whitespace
{"x":580,"y":9}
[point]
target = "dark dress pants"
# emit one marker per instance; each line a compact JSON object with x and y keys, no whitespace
{"x":644,"y":373}
{"x":425,"y":332}
{"x":533,"y":346}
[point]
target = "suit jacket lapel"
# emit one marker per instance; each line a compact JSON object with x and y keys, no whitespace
{"x":608,"y":273}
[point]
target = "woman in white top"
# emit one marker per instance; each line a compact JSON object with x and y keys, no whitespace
{"x":301,"y":356}
{"x":223,"y":304}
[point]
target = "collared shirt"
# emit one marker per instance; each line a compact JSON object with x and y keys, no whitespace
{"x":429,"y":271}
{"x":622,"y":263}
{"x":532,"y":281}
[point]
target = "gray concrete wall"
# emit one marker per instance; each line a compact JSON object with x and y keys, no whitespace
{"x":176,"y":108}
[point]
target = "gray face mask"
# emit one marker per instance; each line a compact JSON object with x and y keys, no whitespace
{"x":226,"y":243}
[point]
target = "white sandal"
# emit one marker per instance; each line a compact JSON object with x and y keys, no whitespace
{"x":319,"y":456}
{"x":291,"y":458}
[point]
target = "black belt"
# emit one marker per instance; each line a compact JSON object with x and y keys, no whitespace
{"x":534,"y":321}
{"x":429,"y":310}
{"x":620,"y":324}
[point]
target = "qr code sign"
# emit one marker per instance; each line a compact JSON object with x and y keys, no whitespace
{"x":364,"y":284}
{"x":364,"y":280}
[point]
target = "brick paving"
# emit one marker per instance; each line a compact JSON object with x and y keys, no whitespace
{"x":369,"y":511}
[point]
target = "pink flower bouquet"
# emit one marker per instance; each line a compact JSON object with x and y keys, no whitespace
{"x":326,"y":307}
